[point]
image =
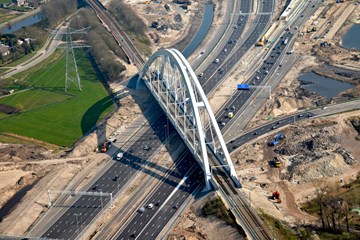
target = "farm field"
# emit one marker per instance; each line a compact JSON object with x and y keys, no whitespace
{"x":44,"y":111}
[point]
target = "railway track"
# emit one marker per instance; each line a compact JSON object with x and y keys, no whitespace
{"x":240,"y":207}
{"x":118,"y":33}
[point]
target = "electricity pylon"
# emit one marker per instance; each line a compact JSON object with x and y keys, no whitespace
{"x":72,"y":74}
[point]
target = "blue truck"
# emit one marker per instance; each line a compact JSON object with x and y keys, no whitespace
{"x":243,"y":87}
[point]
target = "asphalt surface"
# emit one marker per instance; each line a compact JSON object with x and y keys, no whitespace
{"x":213,"y":75}
{"x":80,"y":214}
{"x":264,"y":129}
{"x":166,"y":200}
{"x":267,"y":67}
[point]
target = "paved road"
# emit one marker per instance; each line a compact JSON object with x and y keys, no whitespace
{"x":47,"y":49}
{"x":88,"y":207}
{"x":213,"y":75}
{"x":116,"y":177}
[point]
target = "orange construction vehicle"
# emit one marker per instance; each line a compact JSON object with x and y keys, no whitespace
{"x":105,"y":147}
{"x":276,"y":196}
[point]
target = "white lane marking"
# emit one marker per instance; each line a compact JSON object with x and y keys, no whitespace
{"x":162,"y":205}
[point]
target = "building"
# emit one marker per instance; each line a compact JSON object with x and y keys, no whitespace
{"x":4,"y":51}
{"x":19,"y":2}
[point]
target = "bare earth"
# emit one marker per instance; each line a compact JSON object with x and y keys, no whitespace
{"x":336,"y":151}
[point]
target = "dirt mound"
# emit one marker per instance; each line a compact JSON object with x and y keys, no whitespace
{"x":18,"y":152}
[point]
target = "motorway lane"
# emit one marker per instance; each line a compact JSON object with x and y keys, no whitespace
{"x":149,"y":224}
{"x":253,"y":38}
{"x":240,"y":97}
{"x":272,"y":126}
{"x":245,"y":7}
{"x":90,"y":205}
{"x":213,"y":74}
{"x":132,"y":162}
{"x":258,"y":78}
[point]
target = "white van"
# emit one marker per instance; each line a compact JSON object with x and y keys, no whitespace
{"x":216,"y":60}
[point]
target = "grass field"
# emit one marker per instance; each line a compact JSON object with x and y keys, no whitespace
{"x":5,"y":15}
{"x":48,"y":112}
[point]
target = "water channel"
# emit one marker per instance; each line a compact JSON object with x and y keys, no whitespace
{"x":203,"y":29}
{"x":324,"y":86}
{"x":23,"y":23}
{"x":351,"y":38}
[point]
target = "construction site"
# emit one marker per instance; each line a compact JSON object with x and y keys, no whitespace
{"x":279,"y":172}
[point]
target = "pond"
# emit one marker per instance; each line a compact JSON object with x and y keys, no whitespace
{"x":324,"y":86}
{"x":351,"y":38}
{"x":23,"y":23}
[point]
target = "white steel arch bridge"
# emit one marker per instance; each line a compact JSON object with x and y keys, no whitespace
{"x":175,"y":86}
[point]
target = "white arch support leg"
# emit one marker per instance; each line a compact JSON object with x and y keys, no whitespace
{"x":179,"y":93}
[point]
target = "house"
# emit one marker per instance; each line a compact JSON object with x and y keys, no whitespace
{"x":19,"y":2}
{"x":4,"y":51}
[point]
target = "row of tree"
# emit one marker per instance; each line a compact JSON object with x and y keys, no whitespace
{"x":129,"y":19}
{"x":334,"y":210}
{"x":104,"y":47}
{"x":54,"y":11}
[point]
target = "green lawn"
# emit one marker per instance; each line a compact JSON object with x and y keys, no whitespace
{"x":50,"y":114}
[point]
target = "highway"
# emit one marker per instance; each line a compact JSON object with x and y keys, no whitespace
{"x":213,"y":74}
{"x":60,"y":228}
{"x":260,"y":76}
{"x":132,"y":162}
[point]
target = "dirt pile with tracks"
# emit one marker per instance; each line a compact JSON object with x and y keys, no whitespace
{"x":324,"y":149}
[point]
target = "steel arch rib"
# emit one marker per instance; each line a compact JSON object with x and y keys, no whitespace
{"x":211,"y":114}
{"x":185,"y":70}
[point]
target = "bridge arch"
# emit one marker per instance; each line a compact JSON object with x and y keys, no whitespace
{"x":173,"y":83}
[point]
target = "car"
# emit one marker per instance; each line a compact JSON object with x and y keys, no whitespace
{"x":175,"y":207}
{"x":233,"y":108}
{"x":232,"y":141}
{"x":95,"y":188}
{"x":223,"y":123}
{"x":257,"y":77}
{"x":235,"y":27}
{"x":150,"y":206}
{"x":157,"y":204}
{"x":201,"y":74}
{"x":302,"y":15}
{"x":266,"y":72}
{"x":134,"y":235}
{"x":146,"y":148}
{"x":234,"y":147}
{"x":230,"y":41}
{"x":225,"y":50}
{"x":216,"y":60}
{"x":255,"y":133}
{"x":253,"y":178}
{"x":280,"y":65}
{"x":279,"y":122}
{"x":115,"y":178}
{"x":273,"y":127}
{"x":309,"y":115}
{"x":300,"y":115}
{"x":324,"y":107}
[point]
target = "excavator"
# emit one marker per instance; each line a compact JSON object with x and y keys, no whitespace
{"x":105,"y":147}
{"x":276,"y":196}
